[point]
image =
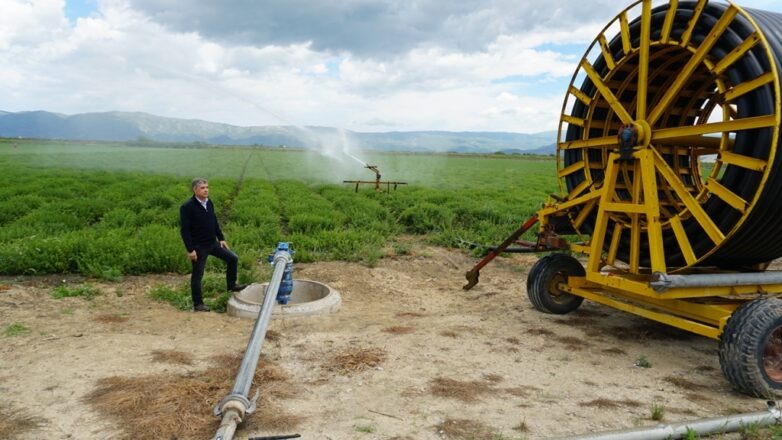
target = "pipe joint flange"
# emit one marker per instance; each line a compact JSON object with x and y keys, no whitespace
{"x":235,"y":401}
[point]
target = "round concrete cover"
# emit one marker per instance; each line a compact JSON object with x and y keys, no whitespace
{"x":307,"y":298}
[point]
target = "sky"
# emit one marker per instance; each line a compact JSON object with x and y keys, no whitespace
{"x":361,"y":65}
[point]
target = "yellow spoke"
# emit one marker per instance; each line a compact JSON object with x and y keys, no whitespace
{"x":643,"y":62}
{"x":585,"y":211}
{"x":625,"y":31}
{"x":689,"y":201}
{"x":692,"y":64}
{"x":696,"y":15}
{"x":711,"y":143}
{"x":714,"y":127}
{"x":727,"y":196}
{"x":607,"y":94}
{"x":668,"y":24}
{"x":609,"y":59}
{"x":681,"y":238}
{"x":742,"y":161}
{"x":748,"y":86}
{"x":581,"y":96}
{"x":572,"y":120}
{"x":606,"y":141}
{"x":571,"y":169}
{"x":579,"y":189}
{"x":736,"y":53}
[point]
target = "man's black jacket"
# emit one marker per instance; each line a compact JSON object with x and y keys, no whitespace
{"x":198,"y":226}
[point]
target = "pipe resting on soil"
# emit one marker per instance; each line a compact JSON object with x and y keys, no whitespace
{"x":716,"y":425}
{"x":234,"y":406}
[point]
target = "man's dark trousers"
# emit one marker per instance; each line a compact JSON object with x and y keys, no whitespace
{"x":230,"y":258}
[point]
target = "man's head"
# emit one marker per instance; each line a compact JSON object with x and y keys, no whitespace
{"x":200,"y":188}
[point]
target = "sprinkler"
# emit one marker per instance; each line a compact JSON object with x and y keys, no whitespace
{"x":377,"y":182}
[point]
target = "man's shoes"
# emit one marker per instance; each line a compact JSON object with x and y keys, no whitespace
{"x":238,"y":288}
{"x":201,"y":308}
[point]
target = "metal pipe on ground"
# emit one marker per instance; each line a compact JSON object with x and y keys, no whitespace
{"x":716,"y":425}
{"x":234,"y":406}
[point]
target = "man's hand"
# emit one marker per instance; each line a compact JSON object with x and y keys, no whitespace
{"x":192,"y":255}
{"x":224,"y":245}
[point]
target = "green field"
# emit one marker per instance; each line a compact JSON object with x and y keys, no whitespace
{"x":104,"y":210}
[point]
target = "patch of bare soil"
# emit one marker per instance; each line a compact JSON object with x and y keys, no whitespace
{"x":410,"y":355}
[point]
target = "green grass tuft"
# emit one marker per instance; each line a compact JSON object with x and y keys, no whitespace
{"x":16,"y":329}
{"x":85,"y":291}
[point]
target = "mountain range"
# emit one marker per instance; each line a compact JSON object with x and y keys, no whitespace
{"x":145,"y":127}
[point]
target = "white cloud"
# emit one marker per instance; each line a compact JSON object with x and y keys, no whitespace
{"x":497,"y":65}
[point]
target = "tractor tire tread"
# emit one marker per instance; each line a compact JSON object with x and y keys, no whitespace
{"x":740,"y":350}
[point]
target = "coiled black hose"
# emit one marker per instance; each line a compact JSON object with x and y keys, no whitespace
{"x":750,"y":239}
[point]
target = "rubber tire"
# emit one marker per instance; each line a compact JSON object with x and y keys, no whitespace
{"x":543,"y":276}
{"x":533,"y":271}
{"x":742,"y":344}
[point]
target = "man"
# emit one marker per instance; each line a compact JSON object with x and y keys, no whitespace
{"x":202,"y":237}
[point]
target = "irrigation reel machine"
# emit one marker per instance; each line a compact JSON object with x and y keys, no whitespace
{"x":668,"y":168}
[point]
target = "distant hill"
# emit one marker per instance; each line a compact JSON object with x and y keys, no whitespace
{"x":124,"y":126}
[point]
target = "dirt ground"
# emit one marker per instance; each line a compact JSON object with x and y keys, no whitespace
{"x":430,"y":361}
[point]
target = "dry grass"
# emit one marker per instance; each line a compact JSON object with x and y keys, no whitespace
{"x":572,"y":343}
{"x":110,"y":318}
{"x":399,"y":330}
{"x":604,"y":403}
{"x":520,"y":391}
{"x":272,"y":335}
{"x":613,"y":350}
{"x":702,"y":369}
{"x":172,"y":357}
{"x":577,"y":321}
{"x":683,"y":383}
{"x":540,"y":331}
{"x":462,"y":429}
{"x":483,"y":295}
{"x":697,"y":397}
{"x":14,"y":423}
{"x":355,"y":359}
{"x":411,"y":315}
{"x":180,"y":405}
{"x":465,"y":391}
{"x":493,"y":378}
{"x":649,"y":332}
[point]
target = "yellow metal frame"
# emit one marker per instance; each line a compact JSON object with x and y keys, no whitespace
{"x":704,"y":311}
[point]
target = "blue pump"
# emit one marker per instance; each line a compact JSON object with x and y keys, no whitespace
{"x":286,"y":285}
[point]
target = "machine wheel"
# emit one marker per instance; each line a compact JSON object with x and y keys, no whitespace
{"x":533,"y":272}
{"x":543,"y":281}
{"x":751,"y":348}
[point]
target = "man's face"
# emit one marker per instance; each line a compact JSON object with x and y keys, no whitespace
{"x":201,"y":190}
